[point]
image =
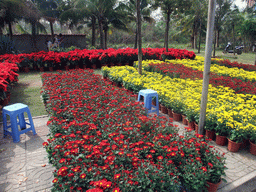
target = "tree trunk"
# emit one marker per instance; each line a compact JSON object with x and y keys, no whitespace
{"x":10,"y":29}
{"x":33,"y":26}
{"x":106,"y":37}
{"x":167,"y":31}
{"x":234,"y":39}
{"x":255,"y":59}
{"x":136,"y":38}
{"x":218,"y":39}
{"x":195,"y":41}
{"x":200,"y":36}
{"x":101,"y":33}
{"x":93,"y":31}
{"x":139,"y":37}
{"x":192,"y":40}
{"x":214,"y":44}
{"x":52,"y":32}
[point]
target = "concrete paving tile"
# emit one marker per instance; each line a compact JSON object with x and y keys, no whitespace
{"x":10,"y":167}
{"x":14,"y":182}
{"x":40,"y":178}
{"x":236,"y":175}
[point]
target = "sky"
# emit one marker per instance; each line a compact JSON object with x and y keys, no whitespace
{"x":241,"y":5}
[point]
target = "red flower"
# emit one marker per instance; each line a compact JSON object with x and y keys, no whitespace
{"x":83,"y":175}
{"x":55,"y":180}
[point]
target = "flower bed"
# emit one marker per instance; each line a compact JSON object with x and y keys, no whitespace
{"x":198,"y":64}
{"x":7,"y":77}
{"x":181,"y":71}
{"x":88,"y":58}
{"x":227,"y":113}
{"x":101,"y":140}
{"x":228,"y":63}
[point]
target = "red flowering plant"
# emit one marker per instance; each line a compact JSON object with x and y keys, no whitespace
{"x":180,"y":71}
{"x":209,"y":161}
{"x":101,"y":138}
{"x":228,"y":63}
{"x":8,"y":76}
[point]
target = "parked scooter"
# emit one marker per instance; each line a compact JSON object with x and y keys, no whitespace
{"x":229,"y":49}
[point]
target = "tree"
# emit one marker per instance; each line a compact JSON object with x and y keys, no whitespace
{"x":105,"y":12}
{"x":10,"y":12}
{"x":193,"y":20}
{"x":232,"y":21}
{"x":222,"y":10}
{"x":49,"y":10}
{"x":145,"y":11}
{"x":171,"y":7}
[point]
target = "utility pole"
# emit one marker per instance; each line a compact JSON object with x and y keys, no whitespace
{"x":139,"y":37}
{"x":207,"y":64}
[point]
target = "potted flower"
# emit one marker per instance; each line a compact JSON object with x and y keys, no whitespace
{"x":253,"y":141}
{"x":235,"y":139}
{"x":216,"y":168}
{"x":190,"y":115}
{"x":210,"y":124}
{"x":222,"y":131}
{"x":177,"y":109}
{"x":163,"y":103}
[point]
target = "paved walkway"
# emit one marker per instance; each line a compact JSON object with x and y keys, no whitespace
{"x":24,"y":165}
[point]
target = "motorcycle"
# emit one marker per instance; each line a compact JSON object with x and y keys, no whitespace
{"x":238,"y":49}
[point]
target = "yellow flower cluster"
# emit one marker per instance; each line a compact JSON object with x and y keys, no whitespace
{"x":198,"y":64}
{"x":234,"y":110}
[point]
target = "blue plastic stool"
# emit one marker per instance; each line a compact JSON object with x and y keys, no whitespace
{"x":14,"y":111}
{"x":148,"y":94}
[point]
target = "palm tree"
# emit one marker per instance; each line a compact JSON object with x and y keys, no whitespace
{"x":106,"y":12}
{"x":10,"y":12}
{"x":193,"y":21}
{"x":168,"y":8}
{"x":145,"y":10}
{"x":49,"y":10}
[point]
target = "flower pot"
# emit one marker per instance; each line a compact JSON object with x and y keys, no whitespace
{"x":41,"y":69}
{"x":210,"y":134}
{"x":8,"y":96}
{"x":212,"y":187}
{"x":233,"y":146}
{"x":170,"y":113}
{"x":245,"y":143}
{"x":176,"y":116}
{"x":184,"y":120}
{"x":94,"y":66}
{"x":26,"y":69}
{"x":221,"y":140}
{"x":5,"y":102}
{"x":252,"y":148}
{"x":159,"y":107}
{"x":164,"y":109}
{"x":191,"y":125}
{"x":76,"y":67}
{"x":196,"y":128}
{"x":66,"y":67}
{"x":50,"y":68}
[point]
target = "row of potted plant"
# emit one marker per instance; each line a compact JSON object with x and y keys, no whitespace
{"x":181,"y":71}
{"x":8,"y":76}
{"x":101,"y":140}
{"x":229,"y":114}
{"x":86,"y":57}
{"x":234,"y":72}
{"x":228,"y":63}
